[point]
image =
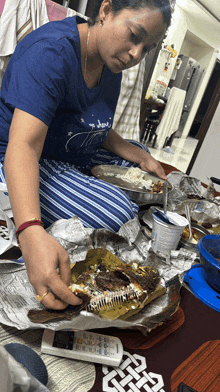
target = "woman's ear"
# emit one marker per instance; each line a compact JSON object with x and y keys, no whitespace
{"x":105,"y":9}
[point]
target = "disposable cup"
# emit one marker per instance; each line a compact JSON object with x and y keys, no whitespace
{"x":166,"y":237}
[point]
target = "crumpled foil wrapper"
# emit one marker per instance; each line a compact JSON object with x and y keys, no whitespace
{"x":204,"y":208}
{"x":131,"y":244}
{"x":184,"y":186}
{"x":202,"y":211}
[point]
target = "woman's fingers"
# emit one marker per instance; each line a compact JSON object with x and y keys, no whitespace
{"x":58,"y":296}
{"x":64,"y":267}
{"x":50,"y":301}
{"x":153,"y":166}
{"x":43,"y":255}
{"x":59,"y":288}
{"x":55,"y":285}
{"x":161,"y":173}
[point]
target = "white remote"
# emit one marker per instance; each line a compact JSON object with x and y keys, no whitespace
{"x":84,"y":346}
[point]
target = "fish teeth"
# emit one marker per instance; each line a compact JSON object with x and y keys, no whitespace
{"x":109,"y":299}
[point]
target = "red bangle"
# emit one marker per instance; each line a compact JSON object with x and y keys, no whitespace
{"x":24,"y":225}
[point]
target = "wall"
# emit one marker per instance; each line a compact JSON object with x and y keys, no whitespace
{"x":207,"y":163}
{"x":191,"y":21}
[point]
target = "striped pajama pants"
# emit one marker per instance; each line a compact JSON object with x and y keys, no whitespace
{"x":65,"y":192}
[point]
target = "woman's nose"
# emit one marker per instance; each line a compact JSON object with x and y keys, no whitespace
{"x":136,"y":52}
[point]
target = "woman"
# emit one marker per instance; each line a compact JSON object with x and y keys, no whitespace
{"x":57,"y":104}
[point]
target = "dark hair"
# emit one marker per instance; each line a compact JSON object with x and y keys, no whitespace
{"x":118,"y":5}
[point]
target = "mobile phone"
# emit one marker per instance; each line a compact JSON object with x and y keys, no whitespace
{"x":83,"y":346}
{"x":185,"y":388}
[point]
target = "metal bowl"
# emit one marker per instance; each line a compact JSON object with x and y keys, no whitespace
{"x":209,"y":250}
{"x":200,"y":231}
{"x":136,"y":193}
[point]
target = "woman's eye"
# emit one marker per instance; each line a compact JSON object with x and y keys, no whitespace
{"x":135,"y":38}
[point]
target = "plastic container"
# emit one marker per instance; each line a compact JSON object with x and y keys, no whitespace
{"x":209,"y":250}
{"x":166,"y":237}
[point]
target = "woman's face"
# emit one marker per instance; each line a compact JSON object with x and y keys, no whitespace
{"x":125,"y":38}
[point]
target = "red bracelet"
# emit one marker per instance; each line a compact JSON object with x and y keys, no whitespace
{"x":24,"y":225}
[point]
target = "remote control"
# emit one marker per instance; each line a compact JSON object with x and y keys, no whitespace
{"x":84,"y":346}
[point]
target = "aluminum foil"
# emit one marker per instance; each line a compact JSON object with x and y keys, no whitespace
{"x":203,"y":206}
{"x":130,"y":244}
{"x":184,"y":186}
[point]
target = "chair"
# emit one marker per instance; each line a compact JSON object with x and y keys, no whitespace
{"x":150,"y":127}
{"x":153,"y":112}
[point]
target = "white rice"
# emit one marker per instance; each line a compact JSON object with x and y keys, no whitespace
{"x":136,"y":176}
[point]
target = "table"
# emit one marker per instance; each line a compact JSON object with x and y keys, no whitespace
{"x":149,"y":362}
{"x":153,"y":363}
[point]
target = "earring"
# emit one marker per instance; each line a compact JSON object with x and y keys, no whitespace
{"x":101,"y":22}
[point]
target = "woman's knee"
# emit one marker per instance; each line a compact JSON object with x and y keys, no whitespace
{"x":113,"y":210}
{"x":124,"y":212}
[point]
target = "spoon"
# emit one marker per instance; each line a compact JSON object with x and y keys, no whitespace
{"x":189,"y":220}
{"x":165,"y":196}
{"x":160,"y":214}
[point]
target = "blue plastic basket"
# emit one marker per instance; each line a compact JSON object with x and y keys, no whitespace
{"x":209,"y":249}
{"x":195,"y":280}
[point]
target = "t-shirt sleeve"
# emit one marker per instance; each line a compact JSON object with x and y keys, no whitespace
{"x":38,"y":80}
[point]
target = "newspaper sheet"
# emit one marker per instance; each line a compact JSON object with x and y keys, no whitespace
{"x":17,"y":295}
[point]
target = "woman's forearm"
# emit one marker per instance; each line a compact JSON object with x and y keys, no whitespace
{"x":22,"y":178}
{"x":26,"y":140}
{"x":119,"y":146}
{"x":116,"y":144}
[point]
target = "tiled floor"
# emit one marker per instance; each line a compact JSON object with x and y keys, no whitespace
{"x":182,"y":149}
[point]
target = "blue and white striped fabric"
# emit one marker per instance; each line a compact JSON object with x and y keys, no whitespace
{"x":65,"y":192}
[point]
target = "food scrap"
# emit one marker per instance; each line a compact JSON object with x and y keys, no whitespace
{"x":186,"y":234}
{"x":115,"y":290}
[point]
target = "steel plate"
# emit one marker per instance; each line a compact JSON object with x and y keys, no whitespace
{"x":136,"y":193}
{"x":200,"y":231}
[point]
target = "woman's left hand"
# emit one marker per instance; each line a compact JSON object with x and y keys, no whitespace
{"x":116,"y":144}
{"x":153,"y":166}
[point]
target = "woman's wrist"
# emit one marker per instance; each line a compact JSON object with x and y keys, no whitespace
{"x":27,"y":224}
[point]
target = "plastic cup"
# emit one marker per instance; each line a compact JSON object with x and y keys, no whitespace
{"x":166,"y":237}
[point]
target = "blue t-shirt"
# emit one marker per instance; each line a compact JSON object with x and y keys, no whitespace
{"x":44,"y":78}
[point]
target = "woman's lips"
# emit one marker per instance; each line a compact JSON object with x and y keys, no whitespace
{"x":122,"y":63}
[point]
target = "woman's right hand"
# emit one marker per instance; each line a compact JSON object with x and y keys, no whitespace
{"x":43,"y":255}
